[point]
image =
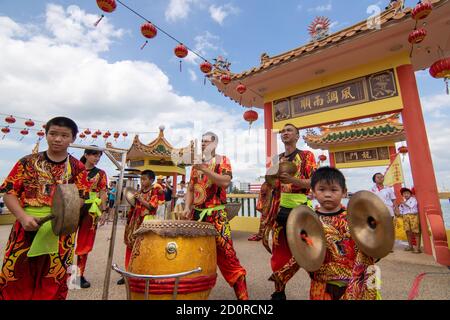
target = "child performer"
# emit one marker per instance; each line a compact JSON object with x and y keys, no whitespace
{"x":36,"y":260}
{"x":410,"y":213}
{"x":91,"y":212}
{"x":146,"y":207}
{"x":344,"y":273}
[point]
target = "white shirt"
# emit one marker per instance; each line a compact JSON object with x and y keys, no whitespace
{"x":180,"y":195}
{"x":387,"y":195}
{"x":409,"y":207}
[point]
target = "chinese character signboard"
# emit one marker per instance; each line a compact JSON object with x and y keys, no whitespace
{"x":370,"y":88}
{"x":345,"y":159}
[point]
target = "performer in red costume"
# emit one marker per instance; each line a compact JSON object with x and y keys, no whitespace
{"x":36,"y":260}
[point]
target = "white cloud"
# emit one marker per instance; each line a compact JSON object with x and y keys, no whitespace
{"x":321,"y":8}
{"x":220,"y":13}
{"x":45,"y":76}
{"x":180,"y":9}
{"x":75,"y":27}
{"x":192,"y":75}
{"x":435,"y":103}
{"x":206,"y":44}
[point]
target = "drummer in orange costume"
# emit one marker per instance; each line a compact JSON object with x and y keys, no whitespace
{"x":206,"y":195}
{"x":146,"y":206}
{"x":36,"y":260}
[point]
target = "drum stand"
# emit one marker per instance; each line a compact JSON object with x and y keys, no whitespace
{"x":128,"y":275}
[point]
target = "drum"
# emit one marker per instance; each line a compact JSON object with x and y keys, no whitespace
{"x":173,"y":247}
{"x":65,"y":210}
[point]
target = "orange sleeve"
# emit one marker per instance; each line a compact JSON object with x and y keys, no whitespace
{"x":225,"y":167}
{"x":13,"y":183}
{"x":103,"y":182}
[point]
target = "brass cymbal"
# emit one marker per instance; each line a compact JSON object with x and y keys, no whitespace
{"x":274,"y":171}
{"x":129,"y":193}
{"x":287,"y":167}
{"x":371,"y":224}
{"x":306,"y":238}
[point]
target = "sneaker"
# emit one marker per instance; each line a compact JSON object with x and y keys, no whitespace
{"x":281,"y":295}
{"x":121,"y":281}
{"x":84,"y":283}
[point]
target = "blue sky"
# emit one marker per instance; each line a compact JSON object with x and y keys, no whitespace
{"x":54,"y":62}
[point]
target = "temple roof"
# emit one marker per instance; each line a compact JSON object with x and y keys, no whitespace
{"x":159,"y":148}
{"x":385,"y":128}
{"x":258,"y":78}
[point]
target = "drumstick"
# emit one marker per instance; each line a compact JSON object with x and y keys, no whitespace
{"x":45,"y":219}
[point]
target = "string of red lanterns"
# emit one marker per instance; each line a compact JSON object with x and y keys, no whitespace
{"x":149,"y":30}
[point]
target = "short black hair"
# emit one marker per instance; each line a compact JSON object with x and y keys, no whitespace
{"x":375,"y":175}
{"x":149,"y":173}
{"x":62,"y":122}
{"x":290,"y":124}
{"x":330,"y":175}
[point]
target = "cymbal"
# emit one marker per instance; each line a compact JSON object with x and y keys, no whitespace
{"x":287,"y":167}
{"x":129,"y":193}
{"x":371,"y":224}
{"x":306,"y":238}
{"x":282,"y":167}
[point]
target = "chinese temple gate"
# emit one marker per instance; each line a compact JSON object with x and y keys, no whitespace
{"x":364,"y":71}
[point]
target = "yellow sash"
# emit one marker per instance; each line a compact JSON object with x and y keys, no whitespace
{"x":45,"y":241}
{"x":209,"y":211}
{"x":293,"y":200}
{"x":95,"y":201}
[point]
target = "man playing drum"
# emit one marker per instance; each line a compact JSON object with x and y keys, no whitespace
{"x":289,"y":192}
{"x":206,"y":195}
{"x":36,"y":260}
{"x":93,"y":210}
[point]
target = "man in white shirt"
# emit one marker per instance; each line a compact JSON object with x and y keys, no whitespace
{"x":386,"y":194}
{"x":409,"y":211}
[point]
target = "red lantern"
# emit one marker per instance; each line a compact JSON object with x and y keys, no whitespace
{"x":40,"y":134}
{"x":250,"y":116}
{"x":206,"y":67}
{"x":87,"y":132}
{"x":98,"y":133}
{"x":5,"y":131}
{"x":10,"y":119}
{"x":403,"y":150}
{"x":108,"y":133}
{"x":82,"y":135}
{"x":116,"y":135}
{"x":44,"y":126}
{"x":225,"y":79}
{"x":322,"y":158}
{"x":417,"y":36}
{"x":105,"y":136}
{"x":107,"y":5}
{"x":241,"y":89}
{"x":148,"y":30}
{"x":29,"y":123}
{"x":125,"y":134}
{"x":441,"y":68}
{"x":181,"y":51}
{"x":421,"y":11}
{"x":24,"y":133}
{"x":94,"y":136}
